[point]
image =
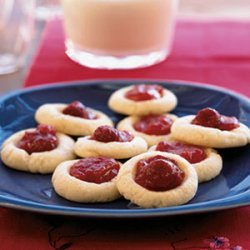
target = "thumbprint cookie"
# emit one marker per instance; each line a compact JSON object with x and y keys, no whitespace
{"x":208,"y":128}
{"x":152,"y":128}
{"x":37,"y":150}
{"x":157,"y":179}
{"x":73,"y":119}
{"x":87,"y":180}
{"x":142,"y":99}
{"x":110,"y":142}
{"x":206,"y":161}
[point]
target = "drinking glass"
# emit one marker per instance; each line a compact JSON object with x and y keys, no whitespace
{"x":118,"y":34}
{"x":16,"y":26}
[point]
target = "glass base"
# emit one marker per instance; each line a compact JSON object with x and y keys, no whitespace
{"x":8,"y":64}
{"x":111,"y":62}
{"x":46,"y":13}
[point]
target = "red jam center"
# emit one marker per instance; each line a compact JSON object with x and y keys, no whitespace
{"x":42,"y":139}
{"x":191,"y":153}
{"x":77,"y":109}
{"x":144,"y":92}
{"x":208,"y":117}
{"x":95,"y":169}
{"x":154,"y":125}
{"x":109,"y":134}
{"x":158,"y":173}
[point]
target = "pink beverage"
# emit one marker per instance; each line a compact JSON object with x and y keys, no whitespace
{"x":118,"y":33}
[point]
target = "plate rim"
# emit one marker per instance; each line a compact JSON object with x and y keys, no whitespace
{"x":124,"y":81}
{"x":242,"y":199}
{"x":239,"y":200}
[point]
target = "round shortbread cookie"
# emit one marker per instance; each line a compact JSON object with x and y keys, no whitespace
{"x":51,"y":114}
{"x":207,"y":169}
{"x":128,"y":122}
{"x":73,"y":189}
{"x":149,"y":199}
{"x":183,"y":130}
{"x":86,"y":147}
{"x":38,"y":162}
{"x":120,"y":104}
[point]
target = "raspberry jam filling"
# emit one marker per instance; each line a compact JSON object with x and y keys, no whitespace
{"x":144,"y":92}
{"x":192,"y":154}
{"x":95,"y":169}
{"x":77,"y":109}
{"x":154,"y":125}
{"x":209,"y":117}
{"x":109,"y":134}
{"x":158,"y":173}
{"x":40,"y":140}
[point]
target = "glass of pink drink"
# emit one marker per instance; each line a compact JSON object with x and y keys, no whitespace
{"x":118,"y":34}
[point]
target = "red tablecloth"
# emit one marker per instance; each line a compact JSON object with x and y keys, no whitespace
{"x":216,"y":53}
{"x":212,"y":52}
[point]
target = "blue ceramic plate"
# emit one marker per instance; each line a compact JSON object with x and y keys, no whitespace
{"x":33,"y":192}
